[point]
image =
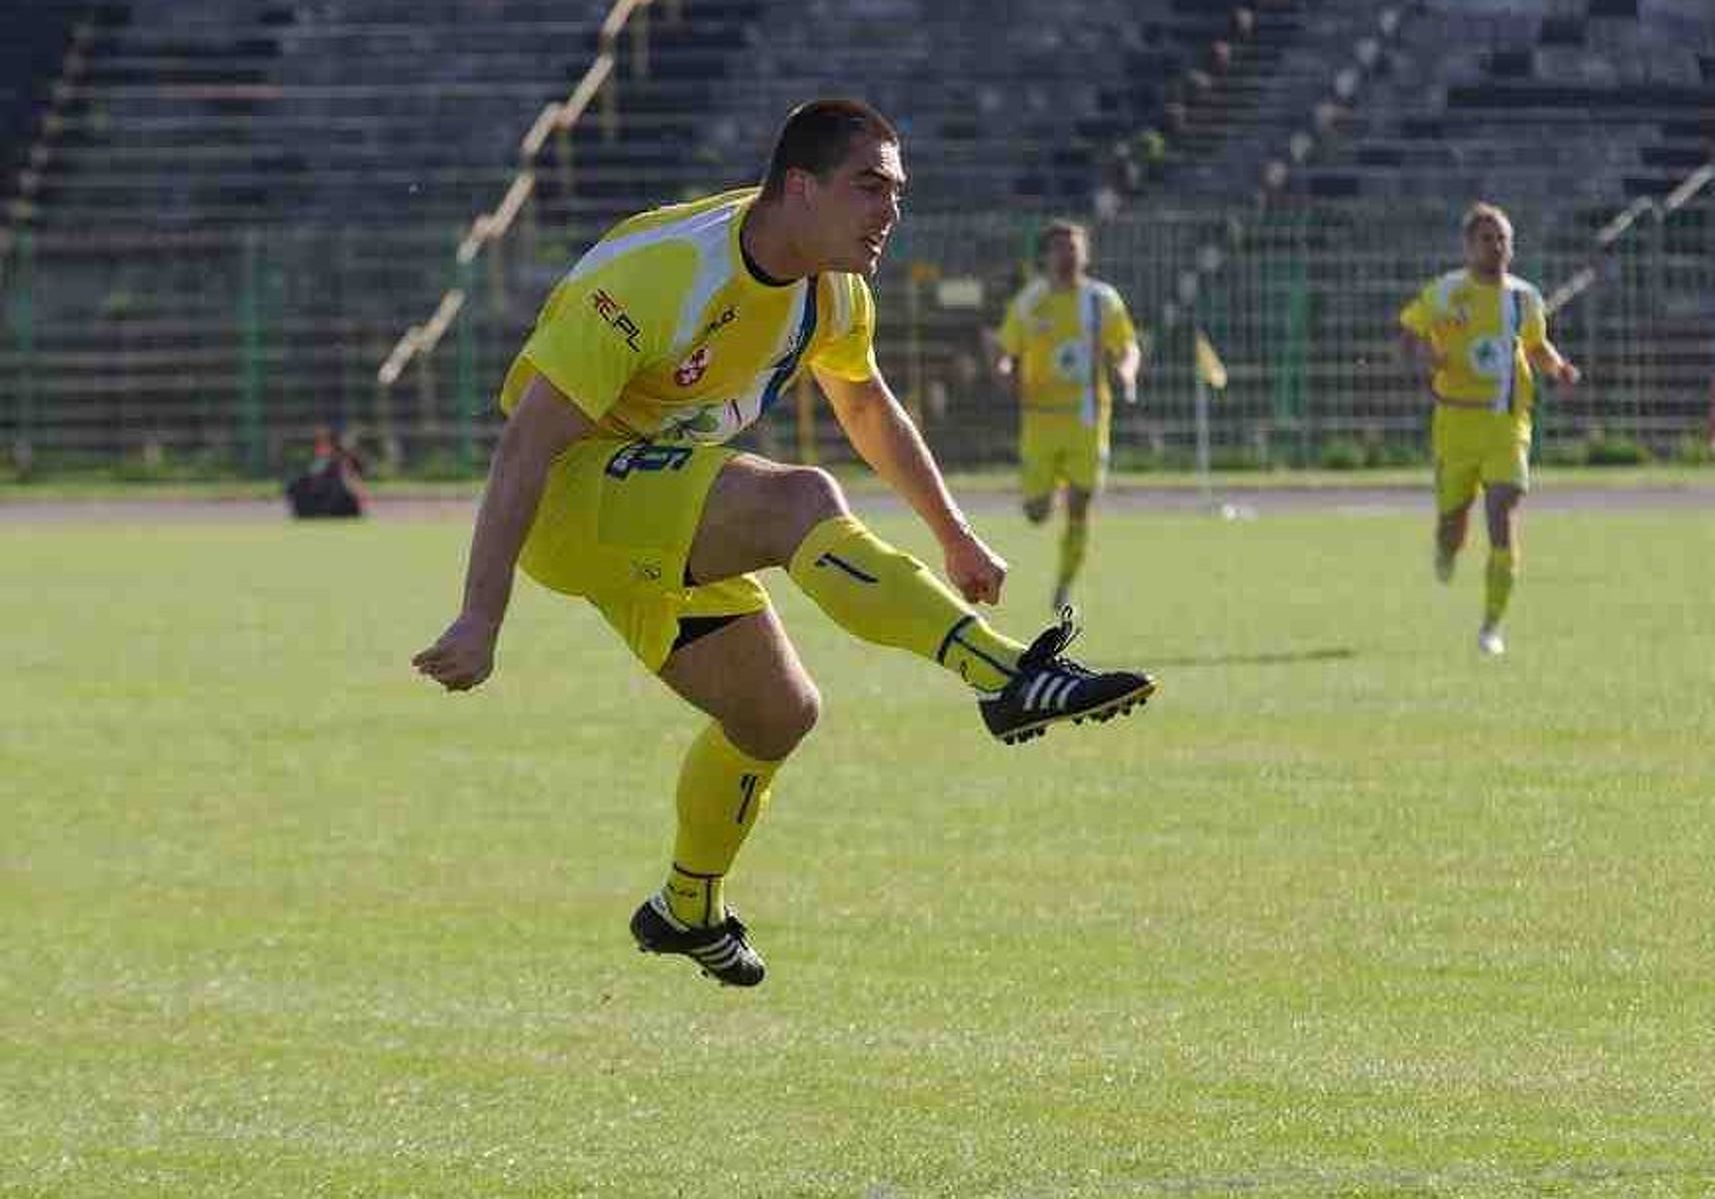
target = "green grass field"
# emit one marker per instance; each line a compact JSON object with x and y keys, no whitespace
{"x":1349,"y":911}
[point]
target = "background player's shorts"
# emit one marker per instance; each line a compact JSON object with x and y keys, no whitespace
{"x":1474,"y":447}
{"x":615,"y":526}
{"x":1052,"y":447}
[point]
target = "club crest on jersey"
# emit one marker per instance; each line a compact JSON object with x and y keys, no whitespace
{"x":1071,"y":361}
{"x":693,"y":368}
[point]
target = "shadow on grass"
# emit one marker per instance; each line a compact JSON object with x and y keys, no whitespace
{"x":1329,"y":654}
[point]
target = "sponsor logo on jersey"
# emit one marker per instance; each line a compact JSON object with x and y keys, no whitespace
{"x":720,"y":322}
{"x":611,"y":311}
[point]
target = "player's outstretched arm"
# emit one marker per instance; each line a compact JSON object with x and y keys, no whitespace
{"x":881,"y":432}
{"x":1002,"y":364}
{"x":1127,"y":363}
{"x":540,"y":428}
{"x":1547,"y":359}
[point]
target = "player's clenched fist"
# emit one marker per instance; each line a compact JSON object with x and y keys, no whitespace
{"x":463,"y":656}
{"x":975,"y":570}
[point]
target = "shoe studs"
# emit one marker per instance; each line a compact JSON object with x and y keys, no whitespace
{"x":1124,"y":709}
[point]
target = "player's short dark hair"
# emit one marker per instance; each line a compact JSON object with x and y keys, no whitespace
{"x":1483,"y":211}
{"x":1061,"y":227}
{"x":818,"y":135}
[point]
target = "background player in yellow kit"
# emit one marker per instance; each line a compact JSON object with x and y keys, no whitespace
{"x":1478,"y":334}
{"x":1061,"y":335}
{"x":673,"y":333}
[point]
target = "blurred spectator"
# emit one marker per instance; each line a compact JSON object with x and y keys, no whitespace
{"x":332,"y":484}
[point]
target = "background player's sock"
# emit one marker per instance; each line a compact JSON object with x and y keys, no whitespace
{"x":1072,"y":544}
{"x":1498,"y":580}
{"x":875,"y":592}
{"x":722,"y":791}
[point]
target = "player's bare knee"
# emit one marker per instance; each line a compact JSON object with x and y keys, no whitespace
{"x":773,"y":729}
{"x":802,"y":498}
{"x":800,"y":711}
{"x":812,"y":494}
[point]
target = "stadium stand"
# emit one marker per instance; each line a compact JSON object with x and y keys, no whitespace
{"x":1566,"y":113}
{"x":241,"y":204}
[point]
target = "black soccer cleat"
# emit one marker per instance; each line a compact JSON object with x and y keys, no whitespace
{"x":1050,"y":688}
{"x":721,"y":951}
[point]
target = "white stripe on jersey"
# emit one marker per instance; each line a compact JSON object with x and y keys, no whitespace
{"x":1444,"y":290}
{"x":714,"y":271}
{"x":708,"y":232}
{"x":841,"y":324}
{"x":1030,"y":297}
{"x":1090,"y":327}
{"x":1511,"y":299}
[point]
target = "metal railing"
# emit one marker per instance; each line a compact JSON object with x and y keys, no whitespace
{"x":227,"y":347}
{"x":489,"y":231}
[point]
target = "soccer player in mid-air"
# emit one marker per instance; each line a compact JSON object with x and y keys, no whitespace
{"x":1061,"y":335}
{"x":1478,"y":335}
{"x":673,"y":333}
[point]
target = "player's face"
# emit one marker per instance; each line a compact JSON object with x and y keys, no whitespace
{"x":1067,"y":257}
{"x":1489,"y":248}
{"x":856,"y":207}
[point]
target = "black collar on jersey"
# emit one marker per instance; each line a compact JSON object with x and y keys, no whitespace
{"x":756,"y":272}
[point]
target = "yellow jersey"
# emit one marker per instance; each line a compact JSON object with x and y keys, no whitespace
{"x":1483,"y":332}
{"x":663,"y":331}
{"x":1060,"y":340}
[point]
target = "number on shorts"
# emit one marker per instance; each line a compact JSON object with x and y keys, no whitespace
{"x":647,"y":456}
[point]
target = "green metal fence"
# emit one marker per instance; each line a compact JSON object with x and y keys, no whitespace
{"x":223,"y":350}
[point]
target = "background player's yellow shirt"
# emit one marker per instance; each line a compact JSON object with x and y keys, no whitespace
{"x":1052,"y":334}
{"x":661,"y":330}
{"x":1482,"y":331}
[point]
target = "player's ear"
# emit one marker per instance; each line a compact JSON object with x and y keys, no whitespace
{"x":800,"y":184}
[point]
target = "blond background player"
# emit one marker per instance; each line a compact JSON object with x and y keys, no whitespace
{"x":1061,"y":336}
{"x":676,"y":331}
{"x":1478,"y":334}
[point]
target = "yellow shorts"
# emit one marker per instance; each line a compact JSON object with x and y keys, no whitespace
{"x":1054,"y":447}
{"x":615,"y":526}
{"x":1473,"y":448}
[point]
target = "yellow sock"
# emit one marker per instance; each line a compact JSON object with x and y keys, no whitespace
{"x":873,"y":591}
{"x":1072,"y":545}
{"x":722,"y":792}
{"x":1498,"y":580}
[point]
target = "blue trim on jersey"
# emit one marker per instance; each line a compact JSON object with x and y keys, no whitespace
{"x":788,"y":366}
